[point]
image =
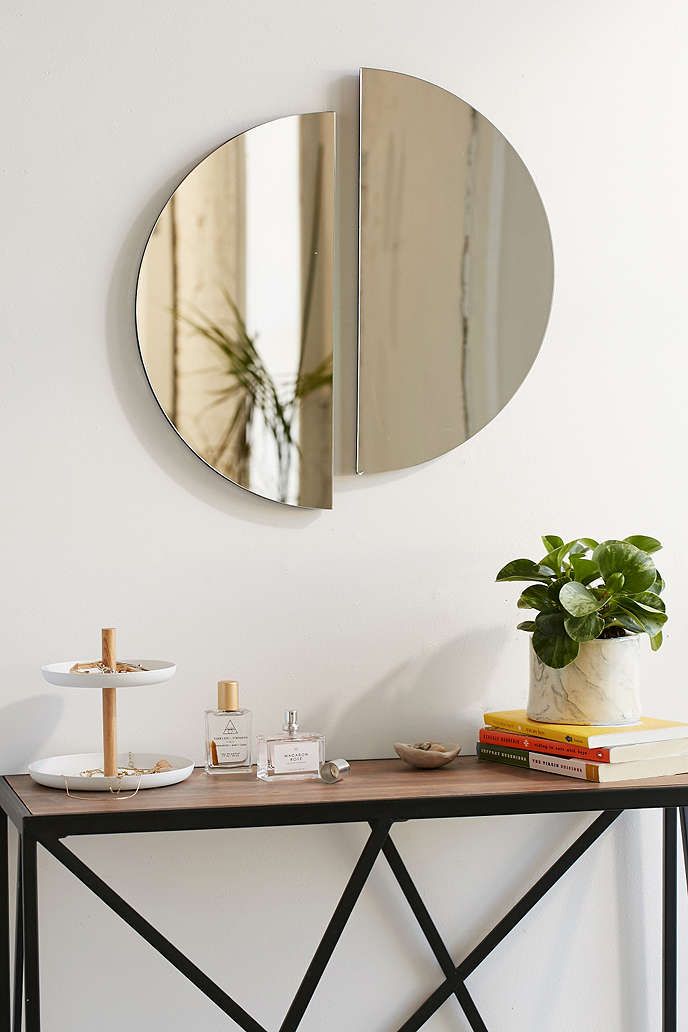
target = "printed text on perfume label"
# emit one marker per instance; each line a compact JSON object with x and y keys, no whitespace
{"x":290,"y":756}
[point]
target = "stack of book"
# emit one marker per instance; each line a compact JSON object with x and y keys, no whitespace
{"x":650,"y":749}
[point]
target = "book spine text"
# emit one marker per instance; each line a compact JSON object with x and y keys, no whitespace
{"x":512,"y":740}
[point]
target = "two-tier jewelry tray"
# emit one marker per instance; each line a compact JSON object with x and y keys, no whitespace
{"x":108,"y":771}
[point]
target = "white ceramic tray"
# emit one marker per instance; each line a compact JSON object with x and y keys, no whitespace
{"x":65,"y":771}
{"x":156,"y":671}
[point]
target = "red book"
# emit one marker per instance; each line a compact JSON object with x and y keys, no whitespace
{"x":509,"y":739}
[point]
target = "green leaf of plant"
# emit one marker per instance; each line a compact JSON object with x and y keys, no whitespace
{"x":550,"y":623}
{"x":536,"y":597}
{"x":644,"y":543}
{"x":615,"y":583}
{"x":552,"y":560}
{"x":584,"y":628}
{"x":620,"y":618}
{"x":555,"y":558}
{"x":551,"y":642}
{"x":525,"y":570}
{"x":576,"y":546}
{"x":579,"y":600}
{"x":651,"y":622}
{"x":659,"y":585}
{"x":656,"y":641}
{"x":636,"y":566}
{"x":552,"y":541}
{"x":526,"y":625}
{"x":584,"y":570}
{"x":651,"y":600}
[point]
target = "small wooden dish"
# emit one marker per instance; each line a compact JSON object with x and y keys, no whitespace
{"x":426,"y":758}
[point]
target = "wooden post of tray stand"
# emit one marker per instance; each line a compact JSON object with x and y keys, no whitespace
{"x":109,"y":657}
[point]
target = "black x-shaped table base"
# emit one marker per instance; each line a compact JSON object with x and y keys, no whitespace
{"x":26,"y":974}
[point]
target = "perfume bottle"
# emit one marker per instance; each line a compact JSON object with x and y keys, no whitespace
{"x":291,"y":754}
{"x":227,"y":733}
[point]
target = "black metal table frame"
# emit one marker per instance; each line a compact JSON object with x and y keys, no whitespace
{"x":48,"y":832}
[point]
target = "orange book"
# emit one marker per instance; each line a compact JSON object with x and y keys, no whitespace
{"x":604,"y":754}
{"x":511,"y":740}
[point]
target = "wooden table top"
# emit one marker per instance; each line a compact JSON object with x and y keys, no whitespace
{"x":374,"y":787}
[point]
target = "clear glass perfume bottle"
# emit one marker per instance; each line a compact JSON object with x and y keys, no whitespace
{"x":291,"y":754}
{"x":228,"y":733}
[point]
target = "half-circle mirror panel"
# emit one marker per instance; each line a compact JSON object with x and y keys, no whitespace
{"x":456,"y":272}
{"x":234,"y":309}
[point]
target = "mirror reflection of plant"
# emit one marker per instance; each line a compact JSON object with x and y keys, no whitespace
{"x":255,"y":390}
{"x":584,"y":590}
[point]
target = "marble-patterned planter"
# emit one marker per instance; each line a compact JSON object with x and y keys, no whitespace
{"x":601,"y":686}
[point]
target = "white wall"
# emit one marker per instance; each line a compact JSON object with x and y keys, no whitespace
{"x":381,"y":619}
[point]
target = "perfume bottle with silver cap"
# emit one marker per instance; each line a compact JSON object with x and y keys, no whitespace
{"x":291,"y":754}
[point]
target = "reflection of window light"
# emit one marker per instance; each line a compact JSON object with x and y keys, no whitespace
{"x":273,"y":271}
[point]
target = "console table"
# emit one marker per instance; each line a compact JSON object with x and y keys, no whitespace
{"x":377,"y":792}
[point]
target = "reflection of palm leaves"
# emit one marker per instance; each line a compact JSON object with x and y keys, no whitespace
{"x":319,"y":377}
{"x":251,"y":382}
{"x":256,"y":390}
{"x":251,"y":387}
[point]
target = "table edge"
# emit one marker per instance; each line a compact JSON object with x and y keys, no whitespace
{"x":334,"y":811}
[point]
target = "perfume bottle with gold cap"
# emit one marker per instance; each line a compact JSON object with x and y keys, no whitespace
{"x":228,"y":733}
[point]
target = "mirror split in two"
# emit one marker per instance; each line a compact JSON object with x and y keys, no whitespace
{"x":235,"y":306}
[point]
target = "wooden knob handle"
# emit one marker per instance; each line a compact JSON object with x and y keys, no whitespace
{"x":108,"y":637}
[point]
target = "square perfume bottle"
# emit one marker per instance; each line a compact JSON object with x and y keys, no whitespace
{"x":227,"y":733}
{"x":290,"y":754}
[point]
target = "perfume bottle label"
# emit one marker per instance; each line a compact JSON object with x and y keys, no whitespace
{"x":231,"y":743}
{"x":294,"y":756}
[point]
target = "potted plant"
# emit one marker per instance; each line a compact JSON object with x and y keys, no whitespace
{"x":593,"y":602}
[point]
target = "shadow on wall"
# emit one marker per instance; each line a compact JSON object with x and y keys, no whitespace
{"x":26,"y":725}
{"x":438,"y":695}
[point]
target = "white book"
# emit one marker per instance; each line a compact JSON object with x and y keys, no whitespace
{"x":604,"y":772}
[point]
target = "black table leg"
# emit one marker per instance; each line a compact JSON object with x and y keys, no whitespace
{"x":32,"y":1001}
{"x":18,"y":949}
{"x":342,"y":913}
{"x":4,"y":927}
{"x":669,"y":922}
{"x":427,"y":925}
{"x":683,"y":814}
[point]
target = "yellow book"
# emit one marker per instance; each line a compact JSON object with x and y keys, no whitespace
{"x":648,"y":729}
